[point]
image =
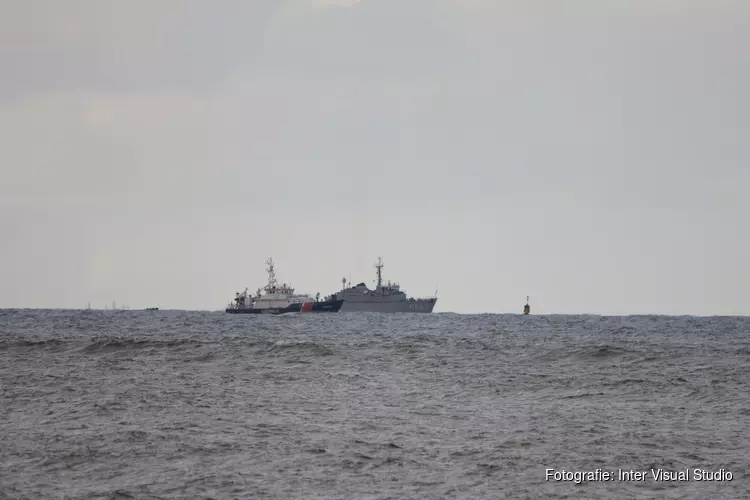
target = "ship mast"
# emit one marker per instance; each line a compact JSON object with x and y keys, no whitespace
{"x":379,"y":267}
{"x":271,"y":274}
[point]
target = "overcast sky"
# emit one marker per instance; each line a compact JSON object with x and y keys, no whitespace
{"x":593,"y":155}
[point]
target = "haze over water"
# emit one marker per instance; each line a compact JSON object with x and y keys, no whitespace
{"x":187,"y":405}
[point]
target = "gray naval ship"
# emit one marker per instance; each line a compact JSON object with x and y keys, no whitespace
{"x":388,"y":298}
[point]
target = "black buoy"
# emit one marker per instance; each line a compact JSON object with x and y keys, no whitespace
{"x":527,"y":307}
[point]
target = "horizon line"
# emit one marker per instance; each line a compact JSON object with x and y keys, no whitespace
{"x":497,"y":313}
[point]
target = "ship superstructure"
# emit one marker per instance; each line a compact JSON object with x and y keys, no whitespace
{"x":386,"y":298}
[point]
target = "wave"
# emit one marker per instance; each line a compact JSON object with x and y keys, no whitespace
{"x":116,"y":344}
{"x":302,"y":347}
{"x":602,"y":351}
{"x":589,"y":352}
{"x":31,"y":343}
{"x":104,"y":345}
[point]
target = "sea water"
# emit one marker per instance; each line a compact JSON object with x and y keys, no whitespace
{"x":175,"y":404}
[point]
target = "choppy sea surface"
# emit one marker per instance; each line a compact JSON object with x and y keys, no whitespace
{"x":198,"y":405}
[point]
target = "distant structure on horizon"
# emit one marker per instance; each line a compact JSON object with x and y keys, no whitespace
{"x":126,"y":307}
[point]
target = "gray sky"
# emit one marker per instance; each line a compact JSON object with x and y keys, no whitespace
{"x":593,"y":155}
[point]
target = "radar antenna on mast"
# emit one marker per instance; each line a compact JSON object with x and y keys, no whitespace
{"x":271,"y":273}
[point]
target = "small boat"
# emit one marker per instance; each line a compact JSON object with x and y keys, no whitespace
{"x":280,"y":299}
{"x":527,"y":307}
{"x":152,"y":309}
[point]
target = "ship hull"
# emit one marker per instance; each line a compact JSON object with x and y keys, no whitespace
{"x":327,"y":306}
{"x":265,"y":310}
{"x":385,"y":306}
{"x":314,"y":307}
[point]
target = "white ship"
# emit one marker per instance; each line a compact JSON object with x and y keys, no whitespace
{"x":278,"y":299}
